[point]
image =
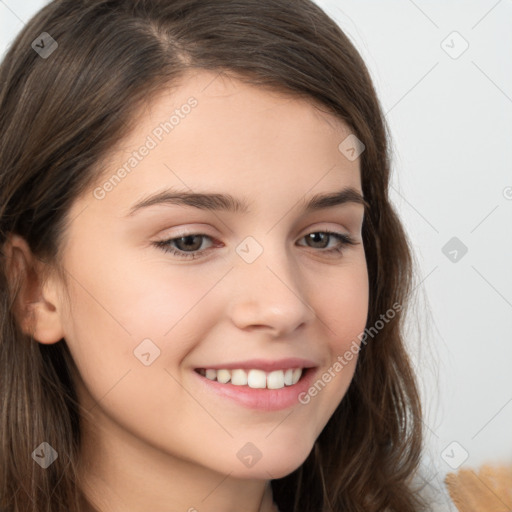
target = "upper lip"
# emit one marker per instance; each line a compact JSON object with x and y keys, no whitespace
{"x":263,"y":364}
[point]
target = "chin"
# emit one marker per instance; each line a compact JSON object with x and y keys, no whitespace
{"x":280,"y":463}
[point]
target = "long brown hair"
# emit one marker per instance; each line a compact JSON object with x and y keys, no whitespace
{"x":60,"y":114}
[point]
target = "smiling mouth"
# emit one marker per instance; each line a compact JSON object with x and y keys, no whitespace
{"x":255,"y":378}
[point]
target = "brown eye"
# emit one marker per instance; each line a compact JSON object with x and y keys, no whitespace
{"x":186,"y":246}
{"x":189,"y":242}
{"x":318,"y":240}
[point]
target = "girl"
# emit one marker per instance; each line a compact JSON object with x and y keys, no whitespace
{"x":260,"y":368}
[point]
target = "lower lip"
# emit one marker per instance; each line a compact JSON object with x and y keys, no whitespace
{"x":261,"y":399}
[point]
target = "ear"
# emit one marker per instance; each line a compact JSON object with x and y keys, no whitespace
{"x":37,"y":305}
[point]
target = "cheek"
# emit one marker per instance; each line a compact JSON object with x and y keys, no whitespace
{"x":115,"y":311}
{"x":343,"y":311}
{"x":133,"y":297}
{"x":344,"y":307}
{"x":117,"y":308}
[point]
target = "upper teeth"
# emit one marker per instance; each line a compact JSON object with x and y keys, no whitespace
{"x":255,"y":378}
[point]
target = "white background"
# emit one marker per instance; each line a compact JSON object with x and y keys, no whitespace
{"x":451,"y":123}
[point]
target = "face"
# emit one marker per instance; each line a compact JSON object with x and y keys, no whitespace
{"x":165,"y":290}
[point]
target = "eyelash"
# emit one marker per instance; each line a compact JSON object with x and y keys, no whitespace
{"x":165,"y":246}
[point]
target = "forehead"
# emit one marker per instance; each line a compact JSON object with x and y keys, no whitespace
{"x":213,"y":132}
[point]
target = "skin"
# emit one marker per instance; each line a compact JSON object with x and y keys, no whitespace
{"x":153,"y":439}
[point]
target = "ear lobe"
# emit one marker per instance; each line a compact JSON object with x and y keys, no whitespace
{"x":36,"y":307}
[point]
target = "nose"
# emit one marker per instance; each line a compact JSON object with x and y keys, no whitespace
{"x":269,"y":294}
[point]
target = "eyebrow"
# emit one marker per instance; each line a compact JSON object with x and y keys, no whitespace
{"x":228,"y":203}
